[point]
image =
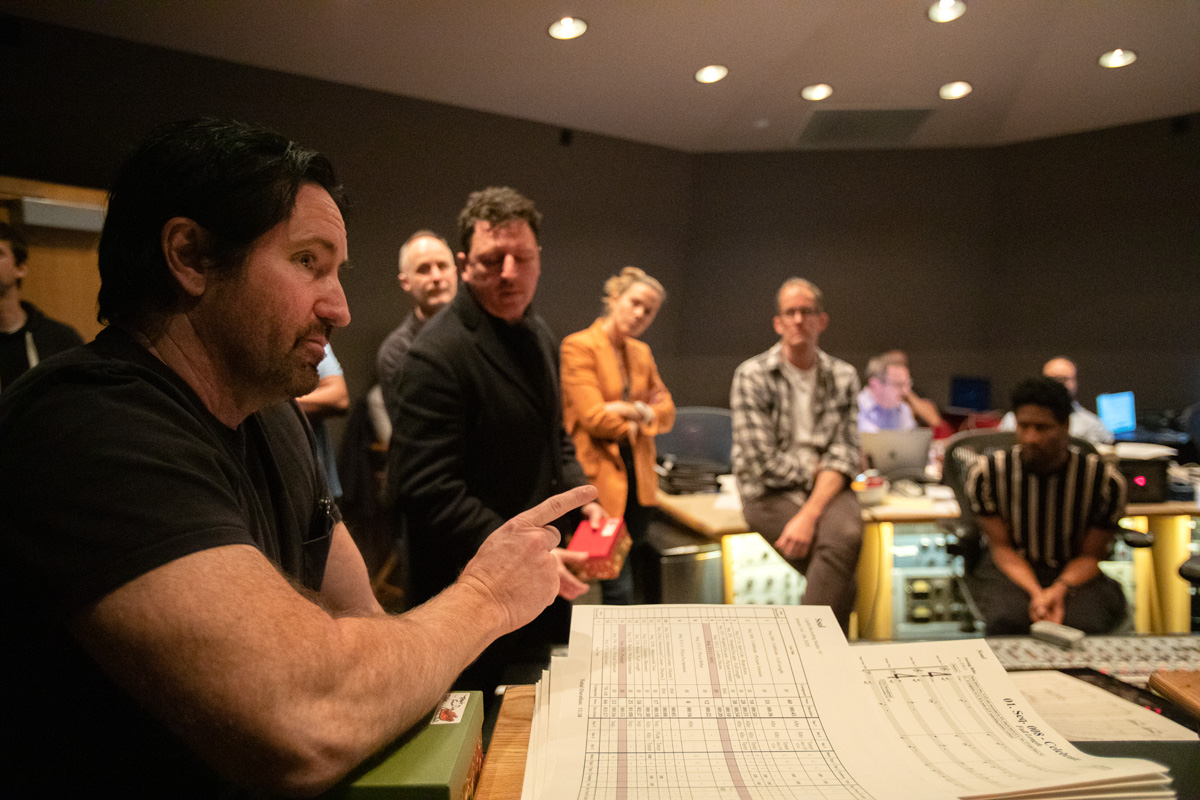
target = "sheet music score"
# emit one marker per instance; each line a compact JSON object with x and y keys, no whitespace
{"x":957,"y":712}
{"x":745,"y":702}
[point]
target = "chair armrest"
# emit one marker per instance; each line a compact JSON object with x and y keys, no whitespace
{"x":1135,"y":538}
{"x":964,"y":539}
{"x":957,"y":528}
{"x":1190,"y":570}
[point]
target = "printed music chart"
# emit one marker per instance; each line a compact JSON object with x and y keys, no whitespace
{"x":747,"y":702}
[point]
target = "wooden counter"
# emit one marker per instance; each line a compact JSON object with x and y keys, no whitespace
{"x":699,"y":513}
{"x":504,"y":766}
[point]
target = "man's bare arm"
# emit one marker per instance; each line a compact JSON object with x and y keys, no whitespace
{"x":331,"y":398}
{"x":1051,"y":602}
{"x":346,"y":587}
{"x":1086,"y":565}
{"x":1007,"y":559}
{"x":924,"y":410}
{"x":273,"y":691}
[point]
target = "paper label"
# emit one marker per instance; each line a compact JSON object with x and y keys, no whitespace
{"x":450,"y":710}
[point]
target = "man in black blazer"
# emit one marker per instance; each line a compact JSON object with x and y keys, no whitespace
{"x":479,"y":436}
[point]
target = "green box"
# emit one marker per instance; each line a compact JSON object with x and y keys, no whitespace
{"x":438,"y":759}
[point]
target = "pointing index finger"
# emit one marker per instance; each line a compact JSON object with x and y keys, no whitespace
{"x":554,"y":507}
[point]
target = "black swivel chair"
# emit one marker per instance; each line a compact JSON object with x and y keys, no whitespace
{"x":1190,"y":572}
{"x":700,"y":433}
{"x":963,"y":450}
{"x":965,"y":539}
{"x":696,"y":450}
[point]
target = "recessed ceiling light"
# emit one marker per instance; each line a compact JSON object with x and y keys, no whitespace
{"x":947,"y":10}
{"x":955,"y":90}
{"x":818,"y":91}
{"x":1118,"y":58}
{"x":712,"y":73}
{"x":568,"y":28}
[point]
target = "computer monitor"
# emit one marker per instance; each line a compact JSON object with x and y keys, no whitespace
{"x":898,"y":454}
{"x":1116,"y":411}
{"x":970,"y":394}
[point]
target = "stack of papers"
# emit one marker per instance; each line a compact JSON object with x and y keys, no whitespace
{"x":748,"y":702}
{"x":1086,"y":713}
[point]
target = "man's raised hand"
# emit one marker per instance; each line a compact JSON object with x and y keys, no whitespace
{"x":514,"y":567}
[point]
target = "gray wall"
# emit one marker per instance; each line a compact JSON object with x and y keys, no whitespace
{"x":977,"y":262}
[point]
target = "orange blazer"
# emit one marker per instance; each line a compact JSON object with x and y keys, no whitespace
{"x":591,"y":378}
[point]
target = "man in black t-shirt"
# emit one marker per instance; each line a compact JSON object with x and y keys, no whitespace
{"x":182,"y":613}
{"x":26,"y":334}
{"x":1048,"y":511}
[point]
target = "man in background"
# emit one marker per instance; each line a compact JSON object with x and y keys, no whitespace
{"x":428,"y":273}
{"x":881,"y":405}
{"x":796,"y":450}
{"x":924,"y":411}
{"x":27,"y":336}
{"x":479,"y":429}
{"x":1048,"y":512}
{"x":1084,"y":424}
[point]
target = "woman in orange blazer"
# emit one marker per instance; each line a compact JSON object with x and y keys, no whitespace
{"x":614,"y":403}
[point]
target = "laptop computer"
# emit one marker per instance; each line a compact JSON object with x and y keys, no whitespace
{"x":898,"y":454}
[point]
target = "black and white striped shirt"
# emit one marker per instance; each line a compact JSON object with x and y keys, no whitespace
{"x":1047,"y":515}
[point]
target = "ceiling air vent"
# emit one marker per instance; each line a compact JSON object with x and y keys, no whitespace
{"x":886,"y":128}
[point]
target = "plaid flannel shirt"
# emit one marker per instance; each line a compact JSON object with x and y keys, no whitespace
{"x":767,"y":456}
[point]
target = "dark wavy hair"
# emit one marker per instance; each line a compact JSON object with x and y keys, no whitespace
{"x":495,"y":205}
{"x":234,"y":179}
{"x":20,"y":249}
{"x":1045,"y":392}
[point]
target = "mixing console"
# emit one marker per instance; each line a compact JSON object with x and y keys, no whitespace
{"x":1130,"y":658}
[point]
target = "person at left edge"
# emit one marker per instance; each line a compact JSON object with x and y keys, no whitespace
{"x":182,"y":614}
{"x":27,"y":336}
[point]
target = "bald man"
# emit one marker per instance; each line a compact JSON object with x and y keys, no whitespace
{"x":1084,"y":424}
{"x":428,"y":273}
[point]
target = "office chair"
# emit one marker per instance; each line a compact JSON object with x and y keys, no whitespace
{"x":701,"y":433}
{"x":963,"y":450}
{"x":1190,"y":572}
{"x":964,"y":538}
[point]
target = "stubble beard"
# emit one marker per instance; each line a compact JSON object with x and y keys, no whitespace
{"x":280,"y":375}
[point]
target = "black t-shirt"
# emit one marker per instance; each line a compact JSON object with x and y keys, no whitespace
{"x":110,"y":466}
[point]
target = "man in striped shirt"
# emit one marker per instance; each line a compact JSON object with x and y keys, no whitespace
{"x":1048,"y":512}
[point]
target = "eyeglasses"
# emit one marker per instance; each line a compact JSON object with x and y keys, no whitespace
{"x":800,"y":311}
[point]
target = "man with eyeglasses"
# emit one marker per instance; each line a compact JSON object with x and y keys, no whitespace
{"x":479,"y":425}
{"x":795,"y":450}
{"x":881,"y":405}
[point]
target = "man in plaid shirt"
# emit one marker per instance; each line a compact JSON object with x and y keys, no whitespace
{"x":795,"y":450}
